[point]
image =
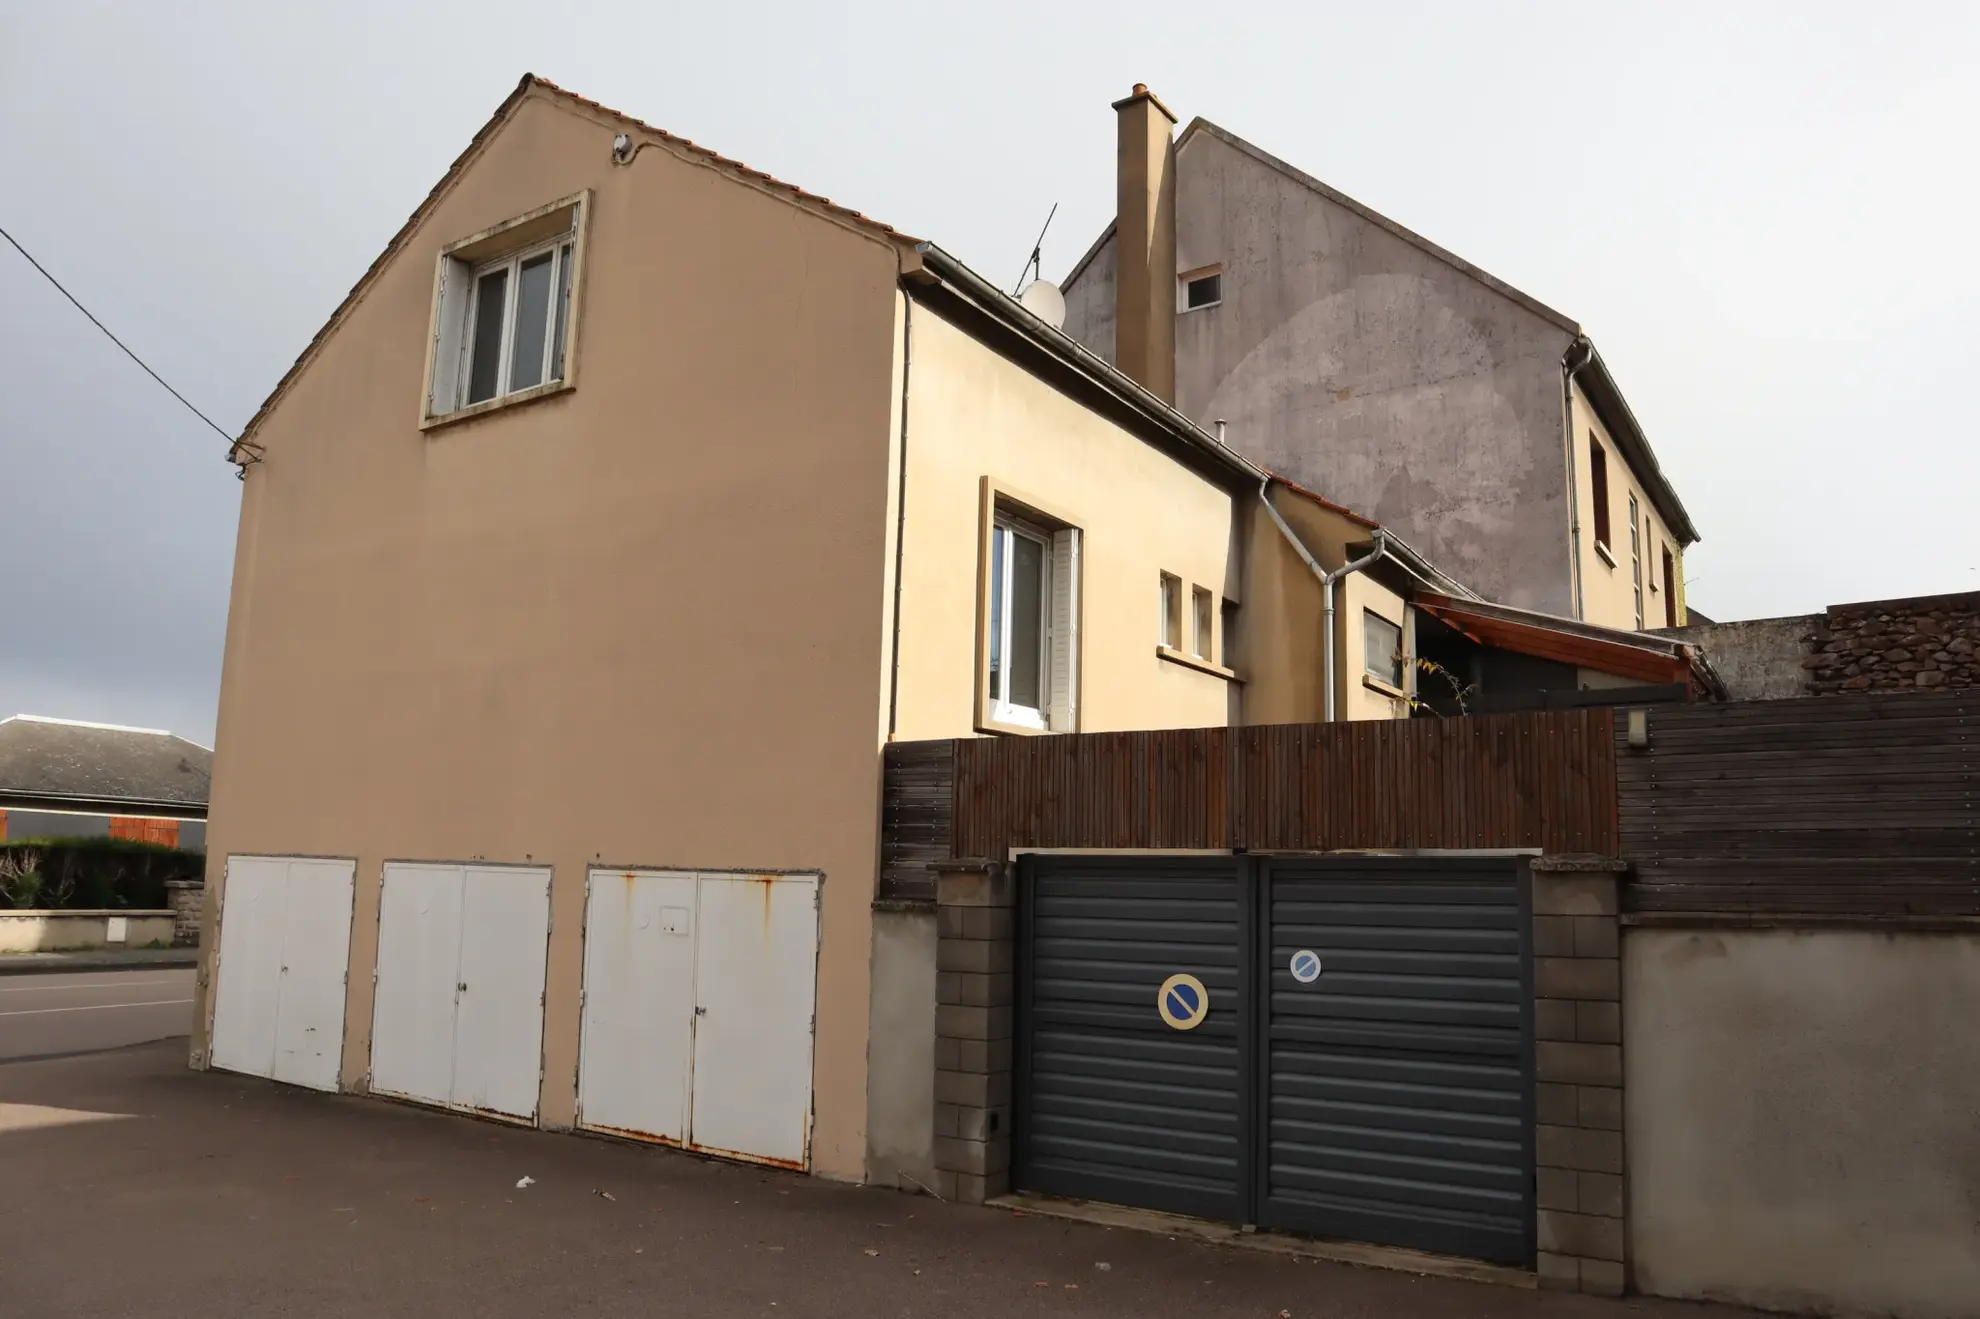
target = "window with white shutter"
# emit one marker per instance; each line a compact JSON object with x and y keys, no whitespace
{"x":1030,"y":618}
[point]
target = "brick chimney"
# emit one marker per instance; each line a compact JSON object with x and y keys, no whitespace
{"x":1145,"y":244}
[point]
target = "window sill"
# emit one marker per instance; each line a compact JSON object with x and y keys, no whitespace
{"x":990,"y":725}
{"x":516,"y":399}
{"x":1375,"y":684}
{"x":1202,"y":306}
{"x":1188,"y":661}
{"x":1603,"y":551}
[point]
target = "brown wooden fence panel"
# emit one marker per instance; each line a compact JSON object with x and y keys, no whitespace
{"x":1530,"y":780}
{"x":917,"y":816}
{"x":1838,"y":805}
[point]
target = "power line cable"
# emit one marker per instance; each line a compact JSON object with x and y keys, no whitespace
{"x":113,"y":338}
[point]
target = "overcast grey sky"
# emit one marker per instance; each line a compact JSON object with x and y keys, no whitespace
{"x":1762,"y":213}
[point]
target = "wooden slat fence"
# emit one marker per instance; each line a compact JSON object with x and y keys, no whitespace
{"x":1542,"y":779}
{"x":1836,"y":805}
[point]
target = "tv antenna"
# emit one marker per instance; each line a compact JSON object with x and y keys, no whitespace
{"x":1032,"y":266}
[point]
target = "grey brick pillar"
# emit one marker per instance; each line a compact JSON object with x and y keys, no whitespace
{"x":973,"y":996}
{"x":1578,"y":1057}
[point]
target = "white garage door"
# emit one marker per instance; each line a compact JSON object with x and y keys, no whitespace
{"x":285,"y":937}
{"x":458,"y":1011}
{"x":699,"y":993}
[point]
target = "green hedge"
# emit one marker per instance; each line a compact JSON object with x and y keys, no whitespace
{"x":54,"y":874}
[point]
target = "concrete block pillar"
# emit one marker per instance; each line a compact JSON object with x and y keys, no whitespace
{"x":1578,"y":1061}
{"x":974,"y":961}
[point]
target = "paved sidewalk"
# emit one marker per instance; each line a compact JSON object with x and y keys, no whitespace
{"x":222,"y":1196}
{"x":119,"y":959}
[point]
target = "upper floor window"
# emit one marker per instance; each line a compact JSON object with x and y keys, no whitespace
{"x":502,"y":317}
{"x":1031,"y":646}
{"x":1670,"y":590}
{"x":1381,"y":647}
{"x":1636,"y":558}
{"x":1202,"y":612}
{"x":1172,"y":611}
{"x":1202,"y":288}
{"x":1598,"y":477}
{"x":517,"y":319}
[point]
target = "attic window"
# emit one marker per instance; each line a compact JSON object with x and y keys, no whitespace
{"x":504,"y":300}
{"x":1202,"y":288}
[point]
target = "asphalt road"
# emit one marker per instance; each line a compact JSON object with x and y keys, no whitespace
{"x":134,"y":1188}
{"x":43,"y":1015}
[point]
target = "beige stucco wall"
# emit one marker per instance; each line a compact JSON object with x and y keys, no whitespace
{"x":974,"y":414}
{"x":1608,"y":592}
{"x":1803,"y":1119}
{"x":640,"y":622}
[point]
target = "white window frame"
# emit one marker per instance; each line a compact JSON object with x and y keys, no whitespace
{"x":563,"y":259}
{"x":456,"y":289}
{"x":1188,"y":277}
{"x":1171,"y":635}
{"x":1006,"y":515}
{"x":1397,"y":668}
{"x":1636,"y":555}
{"x":1202,"y":622}
{"x":1004,"y":532}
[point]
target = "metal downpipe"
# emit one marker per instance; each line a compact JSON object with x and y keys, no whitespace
{"x":1327,"y":581}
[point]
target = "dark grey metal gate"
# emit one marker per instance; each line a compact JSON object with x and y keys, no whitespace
{"x":1397,"y":1104}
{"x":1115,"y":1105}
{"x":1387,"y":1098}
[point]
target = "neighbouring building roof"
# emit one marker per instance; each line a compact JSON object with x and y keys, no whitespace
{"x":61,"y":763}
{"x":1636,"y":655}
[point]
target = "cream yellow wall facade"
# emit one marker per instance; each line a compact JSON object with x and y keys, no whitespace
{"x":977,"y":415}
{"x":641,"y":622}
{"x":1607,"y":588}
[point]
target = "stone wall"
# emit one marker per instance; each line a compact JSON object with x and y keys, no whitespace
{"x":1925,"y":643}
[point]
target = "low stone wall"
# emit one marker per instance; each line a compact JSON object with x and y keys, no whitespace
{"x":78,"y":931}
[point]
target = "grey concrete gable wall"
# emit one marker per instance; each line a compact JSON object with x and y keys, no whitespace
{"x":1365,"y":368}
{"x":1090,"y":301}
{"x":1361,"y":366}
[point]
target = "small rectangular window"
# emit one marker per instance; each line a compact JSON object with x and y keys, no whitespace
{"x":1171,"y":635}
{"x":1228,"y":612}
{"x":1381,"y":644}
{"x":1203,"y":291}
{"x":1203,"y":611}
{"x":1598,"y":477}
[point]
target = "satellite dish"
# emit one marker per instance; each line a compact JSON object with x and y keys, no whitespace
{"x":1042,"y":299}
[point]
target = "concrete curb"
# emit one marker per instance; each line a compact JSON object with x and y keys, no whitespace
{"x":18,"y":964}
